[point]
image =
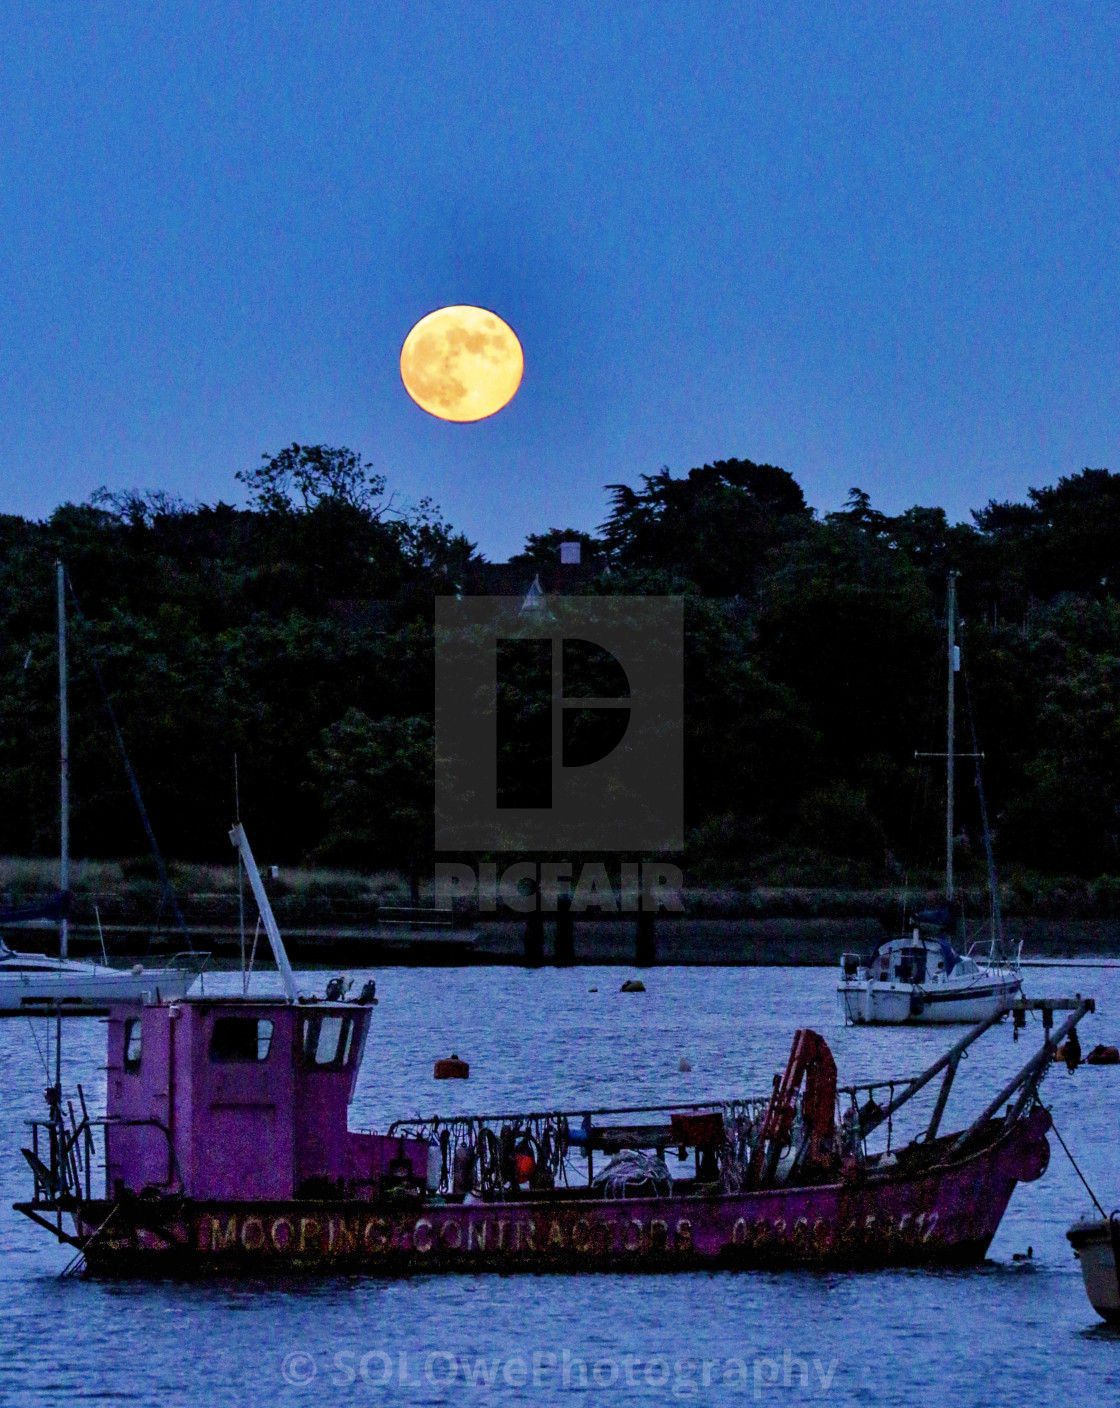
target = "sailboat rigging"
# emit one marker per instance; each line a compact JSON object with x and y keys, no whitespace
{"x":32,"y":982}
{"x":921,"y":979}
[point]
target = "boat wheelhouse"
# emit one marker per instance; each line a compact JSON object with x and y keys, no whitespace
{"x":244,"y":1100}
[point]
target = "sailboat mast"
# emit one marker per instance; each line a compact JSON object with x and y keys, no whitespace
{"x":64,"y":765}
{"x":951,"y":632}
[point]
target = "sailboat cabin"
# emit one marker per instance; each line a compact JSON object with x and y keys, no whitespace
{"x":245,"y":1099}
{"x":919,"y":979}
{"x":910,"y":960}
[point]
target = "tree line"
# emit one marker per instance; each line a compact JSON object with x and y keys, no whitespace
{"x":295,"y":633}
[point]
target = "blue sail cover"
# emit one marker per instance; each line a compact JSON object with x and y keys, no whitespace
{"x":944,"y":917}
{"x":56,"y":908}
{"x":949,"y":954}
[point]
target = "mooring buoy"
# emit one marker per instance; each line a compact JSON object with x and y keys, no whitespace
{"x":451,"y":1068}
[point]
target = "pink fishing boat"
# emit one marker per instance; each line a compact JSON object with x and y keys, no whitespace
{"x":227,"y":1150}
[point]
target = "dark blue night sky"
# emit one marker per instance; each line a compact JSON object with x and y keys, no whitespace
{"x":874,"y":243}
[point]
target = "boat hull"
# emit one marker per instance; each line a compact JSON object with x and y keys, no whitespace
{"x":907,"y":1004}
{"x":1097,"y":1246}
{"x":75,"y":985}
{"x":947,"y":1215}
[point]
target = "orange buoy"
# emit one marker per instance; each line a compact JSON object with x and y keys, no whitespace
{"x":451,"y":1068}
{"x":1104,"y":1056}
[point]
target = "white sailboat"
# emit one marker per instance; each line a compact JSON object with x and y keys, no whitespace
{"x":36,"y":982}
{"x":921,"y":979}
{"x":31,"y":982}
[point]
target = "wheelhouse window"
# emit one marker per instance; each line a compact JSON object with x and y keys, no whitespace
{"x":240,"y":1039}
{"x":327,"y":1041}
{"x":132,"y":1044}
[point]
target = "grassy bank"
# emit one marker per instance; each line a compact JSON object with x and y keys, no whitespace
{"x":128,"y":892}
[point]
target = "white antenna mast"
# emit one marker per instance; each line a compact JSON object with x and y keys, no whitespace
{"x":64,"y":767}
{"x":287,"y":977}
{"x":954,"y":665}
{"x":240,"y":881}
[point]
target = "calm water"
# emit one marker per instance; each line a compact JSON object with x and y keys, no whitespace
{"x":1004,"y":1333}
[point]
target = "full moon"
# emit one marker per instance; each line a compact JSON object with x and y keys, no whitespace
{"x":462,"y":363}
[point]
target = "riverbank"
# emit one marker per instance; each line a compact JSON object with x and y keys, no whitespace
{"x":676,"y":941}
{"x":341,"y":917}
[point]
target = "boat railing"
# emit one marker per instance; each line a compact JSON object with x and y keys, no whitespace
{"x":421,"y":1127}
{"x":490,"y":1143}
{"x":551,"y":1132}
{"x":193,"y":959}
{"x":553,"y":1137}
{"x":578,"y":1113}
{"x":68,"y":1145}
{"x":64,"y":1149}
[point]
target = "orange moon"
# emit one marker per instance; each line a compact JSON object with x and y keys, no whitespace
{"x":462,"y":363}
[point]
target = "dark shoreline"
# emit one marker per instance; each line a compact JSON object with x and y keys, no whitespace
{"x":679,"y":941}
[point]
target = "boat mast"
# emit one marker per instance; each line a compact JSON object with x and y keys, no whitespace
{"x":64,"y":766}
{"x":954,"y":665}
{"x":287,"y":977}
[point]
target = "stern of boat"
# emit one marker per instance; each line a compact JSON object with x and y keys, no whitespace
{"x":851,"y":991}
{"x":849,"y":999}
{"x":1096,"y":1245}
